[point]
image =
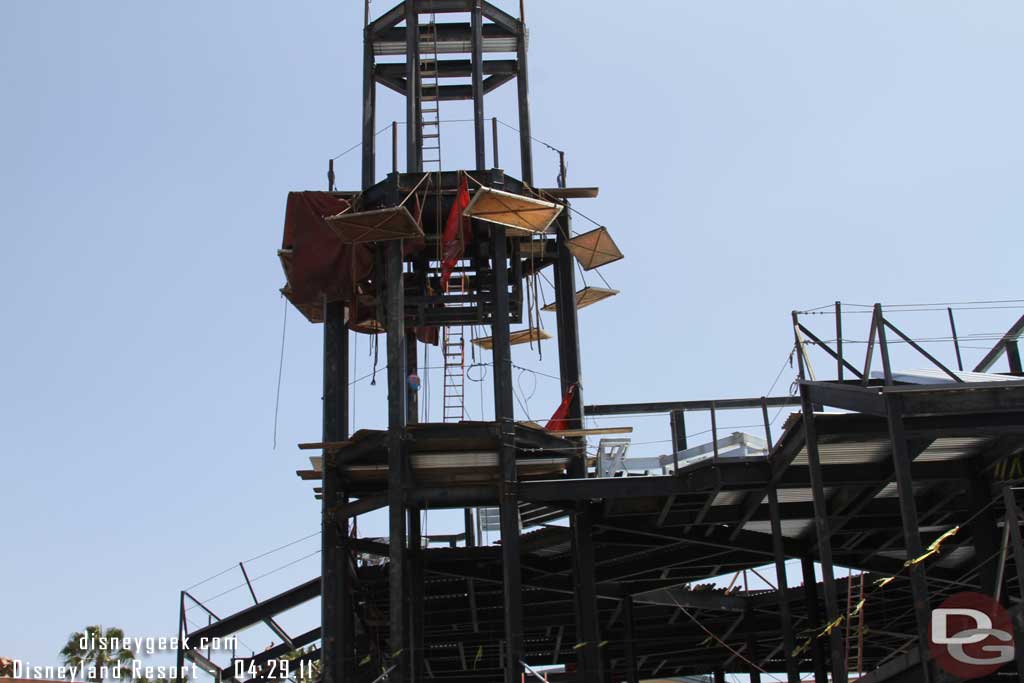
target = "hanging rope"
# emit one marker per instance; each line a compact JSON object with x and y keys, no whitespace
{"x":280,"y":369}
{"x":376,"y":352}
{"x":355,"y":371}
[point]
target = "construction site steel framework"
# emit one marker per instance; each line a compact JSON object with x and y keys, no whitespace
{"x":909,"y":482}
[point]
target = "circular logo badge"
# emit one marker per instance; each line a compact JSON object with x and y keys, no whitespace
{"x":970,"y":635}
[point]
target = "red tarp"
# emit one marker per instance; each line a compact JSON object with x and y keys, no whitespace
{"x":319,"y":264}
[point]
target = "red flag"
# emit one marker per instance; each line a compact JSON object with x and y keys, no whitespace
{"x":559,"y":420}
{"x":453,"y":240}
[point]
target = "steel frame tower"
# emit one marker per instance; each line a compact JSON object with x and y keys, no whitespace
{"x":496,"y":293}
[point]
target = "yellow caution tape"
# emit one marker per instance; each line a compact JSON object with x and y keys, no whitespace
{"x":938,"y":541}
{"x":365,"y":660}
{"x":602,"y":643}
{"x":836,"y":622}
{"x":932,"y":549}
{"x":882,"y":583}
{"x":803,"y":647}
{"x":577,"y":646}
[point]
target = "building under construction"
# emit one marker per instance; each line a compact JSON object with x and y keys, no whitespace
{"x":606,"y":565}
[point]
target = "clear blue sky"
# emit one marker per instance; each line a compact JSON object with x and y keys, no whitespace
{"x":753,"y":158}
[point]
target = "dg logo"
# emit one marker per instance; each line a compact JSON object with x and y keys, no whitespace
{"x":971,"y":635}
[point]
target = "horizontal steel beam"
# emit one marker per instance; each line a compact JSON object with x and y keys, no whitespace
{"x":450,"y":68}
{"x":668,"y":406}
{"x":961,"y":398}
{"x":847,"y":397}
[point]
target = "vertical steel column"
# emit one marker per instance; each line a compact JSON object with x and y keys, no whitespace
{"x":798,"y":347}
{"x":883,"y":346}
{"x":369,"y":112}
{"x":413,"y":141}
{"x":470,"y":584}
{"x":839,"y":341}
{"x":567,"y":325}
{"x":984,"y":532}
{"x":779,"y":557}
{"x":567,"y":322}
{"x":523,"y":85}
{"x":337,"y":649}
{"x":494,"y":142}
{"x":507,"y":489}
{"x":338,"y":638}
{"x":813,"y":619}
{"x":753,"y":668}
{"x":412,"y":400}
{"x":399,"y":631}
{"x":823,"y":536}
{"x":394,"y":146}
{"x":589,"y":668}
{"x":478,"y":85}
{"x":1013,"y":524}
{"x":470,"y":530}
{"x":416,"y":607}
{"x":589,"y":664}
{"x":677,"y":419}
{"x":911,"y":531}
{"x":785,"y":615}
{"x":395,"y":326}
{"x":629,"y":646}
{"x":180,"y":661}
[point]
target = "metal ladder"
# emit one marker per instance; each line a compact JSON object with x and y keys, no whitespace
{"x":453,"y":346}
{"x":430,"y":117}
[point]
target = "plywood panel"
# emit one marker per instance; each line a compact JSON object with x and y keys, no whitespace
{"x":393,"y":223}
{"x":586,"y":296}
{"x":518,"y":337}
{"x":521,"y":215}
{"x":595,"y":248}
